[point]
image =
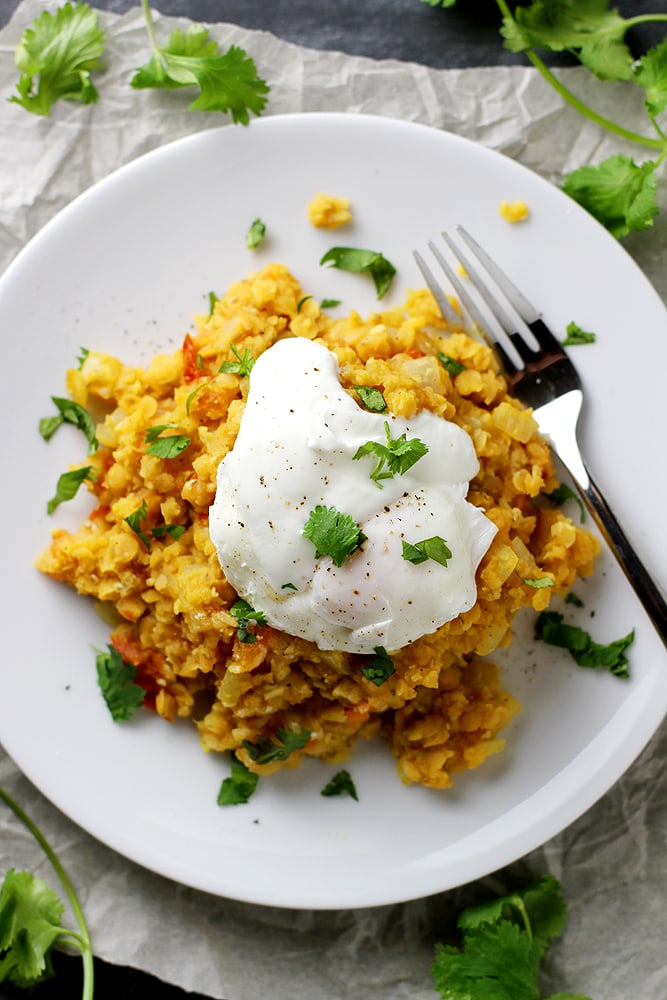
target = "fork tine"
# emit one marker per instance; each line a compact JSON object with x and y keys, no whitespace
{"x":446,"y":308}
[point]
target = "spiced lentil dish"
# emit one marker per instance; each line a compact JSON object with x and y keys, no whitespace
{"x":443,"y":708}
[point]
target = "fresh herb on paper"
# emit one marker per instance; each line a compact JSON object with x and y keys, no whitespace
{"x":239,"y":787}
{"x":267,"y":751}
{"x":333,"y":533}
{"x":394,"y":457}
{"x":73,"y":413}
{"x":363,"y":262}
{"x":379,"y":668}
{"x":551,"y":628}
{"x":56,"y":56}
{"x":31,"y":919}
{"x":246,"y":616}
{"x":503,"y":944}
{"x":116,"y":679}
{"x":620,"y":191}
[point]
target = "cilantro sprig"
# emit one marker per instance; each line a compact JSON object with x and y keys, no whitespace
{"x":116,"y":679}
{"x":73,"y":413}
{"x":503,"y":944}
{"x":620,"y":191}
{"x":31,"y":919}
{"x":333,"y":533}
{"x":247,"y":619}
{"x":551,"y":628}
{"x":268,"y":751}
{"x":360,"y":261}
{"x":394,"y":457}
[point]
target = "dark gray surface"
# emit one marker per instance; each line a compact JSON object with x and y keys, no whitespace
{"x":465,"y":35}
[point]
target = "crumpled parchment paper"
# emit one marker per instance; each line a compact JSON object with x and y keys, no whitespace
{"x":612,"y":863}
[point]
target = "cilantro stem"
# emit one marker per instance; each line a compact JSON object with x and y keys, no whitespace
{"x":576,"y":103}
{"x":145,"y":6}
{"x":83,"y":937}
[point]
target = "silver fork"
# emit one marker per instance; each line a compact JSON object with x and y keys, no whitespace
{"x":545,"y":379}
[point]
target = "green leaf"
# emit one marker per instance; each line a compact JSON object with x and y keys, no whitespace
{"x":68,"y":485}
{"x":255,"y":235}
{"x":537,"y":582}
{"x":363,"y":261}
{"x":618,"y":193}
{"x":564,"y":492}
{"x":30,"y":922}
{"x":135,"y":520}
{"x":586,"y":27}
{"x":239,"y":787}
{"x":498,"y":962}
{"x":228,"y":82}
{"x":56,"y":56}
{"x":651,"y":74}
{"x":329,"y":303}
{"x":73,"y":413}
{"x":451,"y":365}
{"x":173,"y":530}
{"x":267,"y":751}
{"x":242,"y":366}
{"x":551,"y":628}
{"x":371,"y":398}
{"x":380,"y":668}
{"x":340,"y":784}
{"x":398,"y":455}
{"x":435,"y":548}
{"x":333,"y":534}
{"x":576,"y":336}
{"x":165,"y":447}
{"x":116,"y":679}
{"x":245,"y":615}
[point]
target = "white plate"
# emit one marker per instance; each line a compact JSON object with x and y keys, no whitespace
{"x":122,"y":269}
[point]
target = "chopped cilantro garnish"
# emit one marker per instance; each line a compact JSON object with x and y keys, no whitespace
{"x":397,"y":454}
{"x":245,"y":615}
{"x":451,"y":365}
{"x":289,"y":586}
{"x":165,"y":447}
{"x":551,"y":628}
{"x":267,"y":751}
{"x":239,"y":787}
{"x":537,"y":582}
{"x":68,"y":484}
{"x":173,"y":530}
{"x":135,"y":520}
{"x":379,"y":668}
{"x":302,"y":301}
{"x":243,"y":364}
{"x":340,"y":784}
{"x":82,"y":356}
{"x":255,"y":234}
{"x":371,"y":397}
{"x":333,"y":534}
{"x":363,"y":261}
{"x":435,"y":548}
{"x":116,"y":679}
{"x":563,"y":493}
{"x":329,"y":303}
{"x":574,"y":600}
{"x":73,"y":413}
{"x":56,"y":56}
{"x":576,"y":336}
{"x":212,"y":299}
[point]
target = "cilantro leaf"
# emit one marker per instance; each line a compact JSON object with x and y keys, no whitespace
{"x":239,"y":787}
{"x":550,"y":628}
{"x":618,"y":193}
{"x":135,"y":520}
{"x":371,"y":398}
{"x":651,"y":74}
{"x":564,"y":492}
{"x":255,"y":235}
{"x":68,"y":485}
{"x":451,"y":365}
{"x":333,"y":534}
{"x":379,"y":668}
{"x":397,"y":454}
{"x":228,"y":82}
{"x":363,"y":261}
{"x":56,"y":56}
{"x":69,"y":412}
{"x":575,"y":335}
{"x":435,"y":548}
{"x":266,"y":751}
{"x":329,"y":303}
{"x":340,"y":784}
{"x":165,"y":447}
{"x":116,"y":679}
{"x":537,"y":582}
{"x":30,"y":923}
{"x":585,"y":26}
{"x":242,"y":366}
{"x":244,"y":615}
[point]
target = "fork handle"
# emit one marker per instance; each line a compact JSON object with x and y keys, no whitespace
{"x":644,"y":585}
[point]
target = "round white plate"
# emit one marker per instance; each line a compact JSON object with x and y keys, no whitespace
{"x":122,"y":269}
